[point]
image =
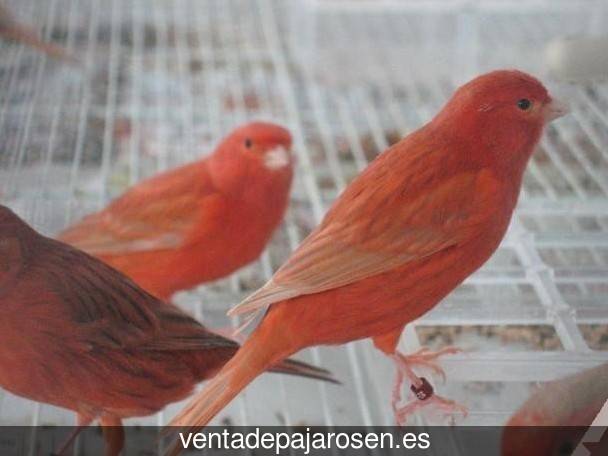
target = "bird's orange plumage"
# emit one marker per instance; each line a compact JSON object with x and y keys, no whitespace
{"x":199,"y":222}
{"x":78,"y":334}
{"x":422,"y":217}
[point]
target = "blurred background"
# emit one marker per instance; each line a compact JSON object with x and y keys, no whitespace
{"x":160,"y":82}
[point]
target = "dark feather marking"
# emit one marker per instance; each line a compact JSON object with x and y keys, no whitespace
{"x":110,"y":337}
{"x":192,"y":343}
{"x":178,"y":317}
{"x":137,"y":300}
{"x":88,"y":296}
{"x":109,"y":299}
{"x":75,"y":292}
{"x":134,"y":394}
{"x":122,"y":288}
{"x":156,"y":380}
{"x":119,"y":293}
{"x":126,"y":367}
{"x":65,"y":287}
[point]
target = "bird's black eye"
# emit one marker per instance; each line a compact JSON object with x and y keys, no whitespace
{"x":524,"y":104}
{"x":248,"y":143}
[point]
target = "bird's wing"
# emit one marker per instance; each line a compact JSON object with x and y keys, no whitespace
{"x":157,"y":214}
{"x":107,"y":311}
{"x":351,"y":244}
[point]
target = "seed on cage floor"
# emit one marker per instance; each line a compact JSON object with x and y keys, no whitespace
{"x":596,"y":336}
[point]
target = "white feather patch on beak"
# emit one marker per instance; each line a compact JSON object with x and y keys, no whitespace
{"x":276,"y":158}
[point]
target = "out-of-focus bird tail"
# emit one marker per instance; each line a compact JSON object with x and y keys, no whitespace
{"x":254,"y":357}
{"x":29,"y":37}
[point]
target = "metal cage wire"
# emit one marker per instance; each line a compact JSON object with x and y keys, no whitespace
{"x":163,"y":81}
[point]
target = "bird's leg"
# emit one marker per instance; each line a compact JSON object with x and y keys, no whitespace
{"x":421,"y":388}
{"x":113,"y":434}
{"x":81,"y":422}
{"x":426,"y":396}
{"x":425,"y":357}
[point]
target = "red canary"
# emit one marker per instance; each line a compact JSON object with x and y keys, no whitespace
{"x":78,"y":334}
{"x":422,"y":217}
{"x":555,"y":417}
{"x":199,"y":222}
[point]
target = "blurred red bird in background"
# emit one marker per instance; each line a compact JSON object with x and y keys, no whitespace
{"x":198,"y":222}
{"x":556,"y":416}
{"x":78,"y":334}
{"x":10,"y":29}
{"x":422,"y":217}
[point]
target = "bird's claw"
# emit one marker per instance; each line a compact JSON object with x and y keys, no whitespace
{"x":449,"y":408}
{"x":426,"y":358}
{"x":420,"y":387}
{"x":434,"y":368}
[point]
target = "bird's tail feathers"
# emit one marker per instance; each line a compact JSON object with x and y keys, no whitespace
{"x":28,"y":36}
{"x":251,"y":360}
{"x":302,"y":369}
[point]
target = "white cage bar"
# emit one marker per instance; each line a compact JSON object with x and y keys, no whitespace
{"x":163,"y":81}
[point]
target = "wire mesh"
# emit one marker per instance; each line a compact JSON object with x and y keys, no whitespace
{"x":163,"y":81}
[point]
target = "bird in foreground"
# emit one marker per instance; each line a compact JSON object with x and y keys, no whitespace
{"x":199,"y":222}
{"x":78,"y":334}
{"x":555,"y":417}
{"x":10,"y":29}
{"x":422,"y":217}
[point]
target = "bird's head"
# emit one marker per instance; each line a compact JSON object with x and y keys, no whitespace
{"x":504,"y":112}
{"x":254,"y":153}
{"x":261,"y":144}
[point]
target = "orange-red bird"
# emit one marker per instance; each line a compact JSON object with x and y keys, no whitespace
{"x":422,"y":217}
{"x":555,"y":417}
{"x":12,"y":30}
{"x":199,"y":222}
{"x":78,"y":334}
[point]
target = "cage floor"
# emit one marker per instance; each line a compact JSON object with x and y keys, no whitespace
{"x":163,"y":81}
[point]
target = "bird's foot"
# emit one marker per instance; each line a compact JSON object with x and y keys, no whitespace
{"x":427,"y":358}
{"x":83,"y":421}
{"x":420,"y":387}
{"x":424,"y":358}
{"x":447,"y":407}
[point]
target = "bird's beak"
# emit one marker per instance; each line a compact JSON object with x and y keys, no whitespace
{"x":277,"y":158}
{"x":554,"y":110}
